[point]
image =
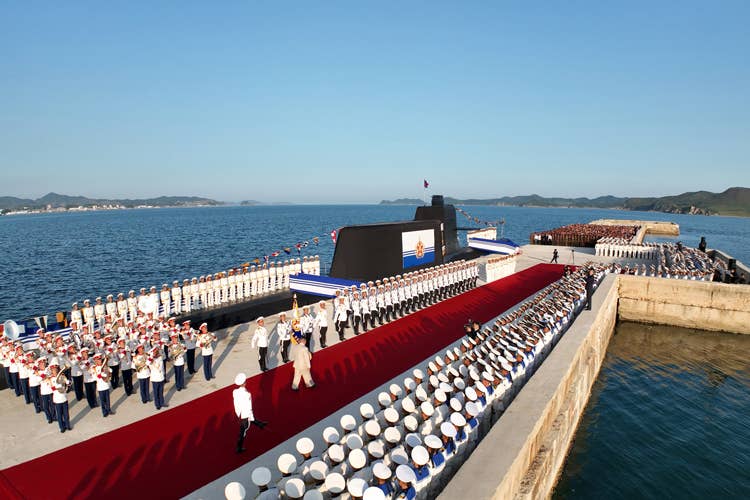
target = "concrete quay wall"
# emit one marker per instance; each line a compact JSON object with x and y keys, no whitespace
{"x":692,"y":304}
{"x":524,"y":452}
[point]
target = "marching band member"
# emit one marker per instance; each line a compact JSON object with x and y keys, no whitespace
{"x":177,"y":355}
{"x":156,"y":367}
{"x":142,"y":372}
{"x":35,"y":381}
{"x":260,"y":337}
{"x":206,"y":343}
{"x":46,"y":390}
{"x":125,"y":357}
{"x":189,"y":337}
{"x":102,"y":374}
{"x":60,"y":397}
{"x":23,"y":373}
{"x":113,"y":361}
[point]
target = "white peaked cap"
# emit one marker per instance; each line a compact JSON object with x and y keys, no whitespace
{"x":418,"y":374}
{"x":239,"y":379}
{"x":356,"y":486}
{"x":395,"y":389}
{"x":376,"y":448}
{"x":373,"y":493}
{"x":286,"y":463}
{"x":357,"y":459}
{"x":372,"y":428}
{"x":421,"y":393}
{"x":463,"y":370}
{"x":411,"y":423}
{"x":407,"y":405}
{"x":318,"y":470}
{"x":331,"y":435}
{"x":234,"y":491}
{"x":384,"y":399}
{"x":420,"y":456}
{"x":261,"y":476}
{"x":295,"y":488}
{"x":413,"y":439}
{"x":442,"y":377}
{"x":457,"y":419}
{"x":381,"y":471}
{"x":471,"y":393}
{"x":432,"y":367}
{"x":405,"y":474}
{"x":313,"y":494}
{"x":459,"y":383}
{"x":447,"y":429}
{"x":399,"y":456}
{"x":432,"y":441}
{"x":440,"y":396}
{"x":336,"y":453}
{"x":427,"y":408}
{"x":353,"y":441}
{"x":455,"y":404}
{"x":348,"y":423}
{"x":391,"y":415}
{"x":366,"y":410}
{"x":305,"y":445}
{"x":434,"y":381}
{"x":409,"y":383}
{"x":474,"y":375}
{"x":392,"y":435}
{"x":439,"y":361}
{"x":471,"y":409}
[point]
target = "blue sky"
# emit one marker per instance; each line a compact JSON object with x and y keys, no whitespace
{"x":359,"y":101}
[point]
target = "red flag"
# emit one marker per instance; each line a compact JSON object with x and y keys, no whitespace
{"x":333,"y":236}
{"x":426,"y":184}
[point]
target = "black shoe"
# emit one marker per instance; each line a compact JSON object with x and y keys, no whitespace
{"x":240,"y":450}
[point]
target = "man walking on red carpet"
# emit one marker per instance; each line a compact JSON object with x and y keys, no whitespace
{"x":243,"y":408}
{"x":301,"y":357}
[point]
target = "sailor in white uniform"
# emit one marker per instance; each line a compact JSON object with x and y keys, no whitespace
{"x":260,"y":338}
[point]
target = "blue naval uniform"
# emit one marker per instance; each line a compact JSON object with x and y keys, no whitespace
{"x":437,"y":459}
{"x":408,"y":494}
{"x":422,"y":473}
{"x":387,"y":488}
{"x":450,"y":447}
{"x":472,"y":422}
{"x":460,"y":436}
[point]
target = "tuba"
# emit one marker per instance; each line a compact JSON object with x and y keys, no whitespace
{"x":139,"y":362}
{"x":176,"y":350}
{"x":62,"y":380}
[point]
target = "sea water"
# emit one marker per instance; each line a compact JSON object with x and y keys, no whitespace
{"x":667,"y":418}
{"x":49,"y":260}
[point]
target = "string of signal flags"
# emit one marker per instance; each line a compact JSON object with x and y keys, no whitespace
{"x":287,"y":250}
{"x":489,"y":223}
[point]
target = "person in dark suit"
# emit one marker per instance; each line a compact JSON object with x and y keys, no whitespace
{"x":555,"y":255}
{"x":590,"y":281}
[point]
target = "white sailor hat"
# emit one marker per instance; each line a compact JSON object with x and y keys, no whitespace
{"x":440,"y":396}
{"x":240,"y":379}
{"x":336,"y":453}
{"x":391,"y":415}
{"x":474,"y":375}
{"x":420,"y":456}
{"x":353,"y":441}
{"x":418,"y":374}
{"x":261,"y":476}
{"x":348,"y":423}
{"x":366,"y":410}
{"x":357,"y":458}
{"x":381,"y":471}
{"x":453,"y":372}
{"x":427,"y":408}
{"x":447,"y":430}
{"x":203,"y":324}
{"x":432,"y":367}
{"x":335,"y":483}
{"x":442,"y":377}
{"x":286,"y":463}
{"x":318,"y":470}
{"x":313,"y":494}
{"x":439,"y":361}
{"x":409,"y":384}
{"x":457,"y":419}
{"x":413,"y":439}
{"x":356,"y":487}
{"x":434,"y":381}
{"x":234,"y":491}
{"x":446,"y":388}
{"x":259,"y":319}
{"x":432,"y":441}
{"x":392,"y":435}
{"x":455,"y":404}
{"x":479,"y":387}
{"x":405,"y":474}
{"x":384,"y":399}
{"x":411,"y":423}
{"x":466,"y":344}
{"x":449,"y":354}
{"x":486,"y":375}
{"x":372,"y":428}
{"x":471,"y":409}
{"x":376,"y":449}
{"x":395,"y":389}
{"x":294,"y":488}
{"x":331,"y":435}
{"x":399,"y":456}
{"x":153,"y":287}
{"x":421,"y":393}
{"x":463,"y":371}
{"x":305,"y":446}
{"x":87,"y":301}
{"x":53,"y":362}
{"x":407,"y":405}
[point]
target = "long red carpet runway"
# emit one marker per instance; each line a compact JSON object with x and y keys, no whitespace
{"x":175,"y":452}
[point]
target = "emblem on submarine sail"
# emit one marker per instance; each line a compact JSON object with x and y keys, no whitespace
{"x":419,"y":249}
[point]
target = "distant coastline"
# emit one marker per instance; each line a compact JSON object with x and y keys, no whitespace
{"x":58,"y":203}
{"x":734,"y":201}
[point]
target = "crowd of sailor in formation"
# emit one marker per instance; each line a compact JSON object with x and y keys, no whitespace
{"x":621,"y":248}
{"x":203,"y":292}
{"x":500,"y":267}
{"x":583,"y":235}
{"x":670,"y":260}
{"x":92,"y":363}
{"x":409,"y":440}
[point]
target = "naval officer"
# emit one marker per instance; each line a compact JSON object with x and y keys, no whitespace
{"x":260,"y":338}
{"x":243,"y":408}
{"x":284,"y":329}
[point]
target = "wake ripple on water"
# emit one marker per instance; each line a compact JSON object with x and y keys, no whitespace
{"x":667,"y":418}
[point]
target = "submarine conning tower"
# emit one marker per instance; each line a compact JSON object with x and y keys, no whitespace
{"x":446,"y":214}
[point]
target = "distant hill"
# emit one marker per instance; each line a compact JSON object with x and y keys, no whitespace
{"x":57,"y":201}
{"x":733,"y":201}
{"x":249,"y":203}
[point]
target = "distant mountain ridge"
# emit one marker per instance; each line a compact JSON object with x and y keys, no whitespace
{"x":734,"y":201}
{"x":55,"y":200}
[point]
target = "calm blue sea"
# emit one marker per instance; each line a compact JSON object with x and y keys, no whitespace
{"x":667,"y":418}
{"x":50,"y":260}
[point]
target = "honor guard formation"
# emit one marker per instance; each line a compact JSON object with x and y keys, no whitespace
{"x":408,"y":441}
{"x":582,"y":235}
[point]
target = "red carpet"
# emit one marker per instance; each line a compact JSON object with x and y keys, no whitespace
{"x":175,"y":452}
